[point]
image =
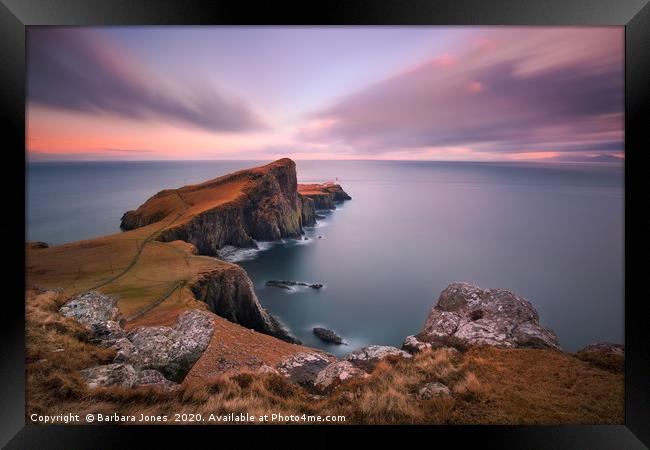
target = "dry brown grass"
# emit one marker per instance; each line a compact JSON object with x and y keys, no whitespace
{"x":489,"y":385}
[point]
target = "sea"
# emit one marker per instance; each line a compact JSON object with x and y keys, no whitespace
{"x":552,"y":233}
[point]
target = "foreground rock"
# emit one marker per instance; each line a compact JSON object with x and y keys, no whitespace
{"x":336,"y":374}
{"x":432,"y":390}
{"x":35,"y":245}
{"x":172,"y":351}
{"x":494,"y":317}
{"x":303,"y":368}
{"x":146,"y":353}
{"x":288,"y":285}
{"x":328,"y":336}
{"x":367,"y":358}
{"x":125,"y":376}
{"x":99,"y":313}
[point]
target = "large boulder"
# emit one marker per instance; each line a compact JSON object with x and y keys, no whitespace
{"x":495,"y":317}
{"x":368,"y":357}
{"x":92,"y":308}
{"x":172,"y":351}
{"x":337,"y":373}
{"x":303,"y":368}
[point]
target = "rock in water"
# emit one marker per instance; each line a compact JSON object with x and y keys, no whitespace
{"x":336,"y":374}
{"x":328,"y":335}
{"x":288,"y":285}
{"x":494,"y":317}
{"x":368,"y":357}
{"x":303,"y":368}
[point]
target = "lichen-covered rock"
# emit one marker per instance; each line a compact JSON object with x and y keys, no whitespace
{"x":106,"y":333}
{"x":303,"y":368}
{"x":337,"y":373}
{"x":125,"y":376}
{"x":368,"y":357}
{"x":117,"y":374}
{"x":434,"y":389}
{"x":153,"y":378}
{"x":604,"y":355}
{"x":494,"y":317}
{"x":413,"y":345}
{"x":172,"y":351}
{"x":91,"y":308}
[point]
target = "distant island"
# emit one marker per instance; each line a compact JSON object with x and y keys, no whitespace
{"x":155,"y":312}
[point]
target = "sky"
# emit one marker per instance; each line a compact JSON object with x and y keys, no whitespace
{"x":552,"y":94}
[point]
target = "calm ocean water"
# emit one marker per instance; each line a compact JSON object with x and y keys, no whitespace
{"x":551,"y":233}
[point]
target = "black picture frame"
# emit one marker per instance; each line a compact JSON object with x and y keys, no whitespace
{"x":16,"y":15}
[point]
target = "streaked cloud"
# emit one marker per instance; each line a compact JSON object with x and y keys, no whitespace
{"x":81,"y":70}
{"x":511,"y":91}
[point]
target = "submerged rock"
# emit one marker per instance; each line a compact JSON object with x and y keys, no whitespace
{"x":328,"y":336}
{"x":303,"y":368}
{"x":337,"y":373}
{"x":494,"y":317}
{"x":288,"y":285}
{"x":368,"y":357}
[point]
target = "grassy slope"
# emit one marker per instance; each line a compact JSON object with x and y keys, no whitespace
{"x":490,"y":385}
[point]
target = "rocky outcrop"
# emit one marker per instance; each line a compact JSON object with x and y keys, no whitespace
{"x":303,"y":368}
{"x":336,"y":374}
{"x":325,"y":195}
{"x":368,"y":357}
{"x":145,"y":354}
{"x":494,"y":317}
{"x":328,"y":336}
{"x":229,"y":293}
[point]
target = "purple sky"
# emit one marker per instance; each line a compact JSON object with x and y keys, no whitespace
{"x":436,"y":93}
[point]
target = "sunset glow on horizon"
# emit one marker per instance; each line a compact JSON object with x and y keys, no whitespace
{"x":407,"y":93}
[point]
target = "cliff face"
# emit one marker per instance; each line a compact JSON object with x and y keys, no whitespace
{"x":256,"y":204}
{"x":229,"y":293}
